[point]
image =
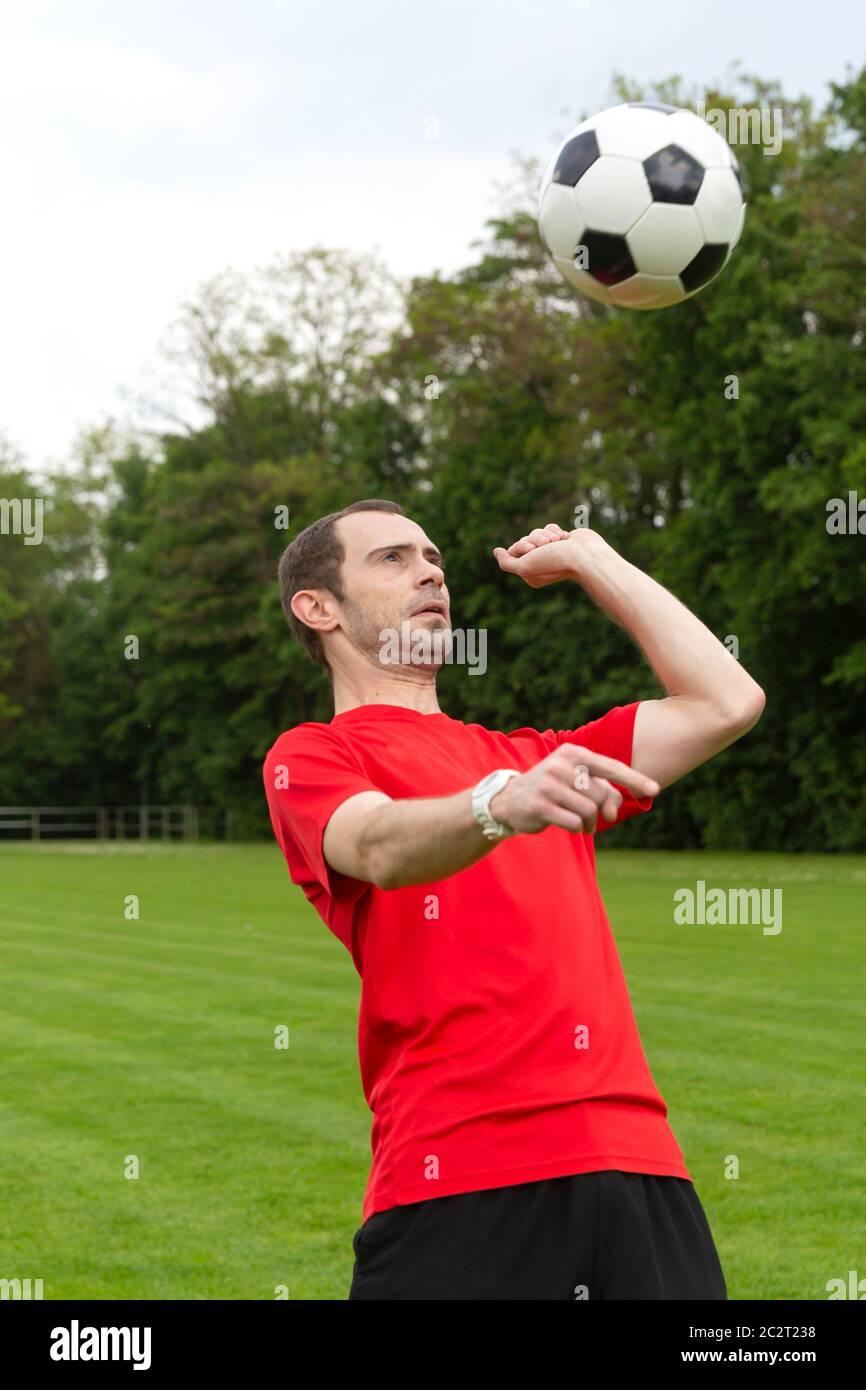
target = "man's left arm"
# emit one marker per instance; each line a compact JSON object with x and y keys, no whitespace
{"x":711,"y":700}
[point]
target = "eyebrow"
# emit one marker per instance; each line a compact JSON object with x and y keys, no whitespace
{"x":430,"y":552}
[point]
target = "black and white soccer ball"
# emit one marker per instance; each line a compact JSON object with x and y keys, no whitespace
{"x":642,"y":205}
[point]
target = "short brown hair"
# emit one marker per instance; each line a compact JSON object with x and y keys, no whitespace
{"x":313,"y":560}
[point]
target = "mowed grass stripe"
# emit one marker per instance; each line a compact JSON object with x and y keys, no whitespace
{"x":131,"y":966}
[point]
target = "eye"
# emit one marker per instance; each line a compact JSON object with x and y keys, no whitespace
{"x":389,"y":555}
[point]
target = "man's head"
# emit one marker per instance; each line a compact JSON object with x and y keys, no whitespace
{"x":356,"y":573}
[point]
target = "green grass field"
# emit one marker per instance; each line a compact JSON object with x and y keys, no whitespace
{"x":155,"y":1038}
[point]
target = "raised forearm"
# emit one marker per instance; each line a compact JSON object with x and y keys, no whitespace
{"x":688,"y":659}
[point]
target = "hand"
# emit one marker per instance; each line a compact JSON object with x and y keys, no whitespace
{"x":568,"y":788}
{"x":547,"y":555}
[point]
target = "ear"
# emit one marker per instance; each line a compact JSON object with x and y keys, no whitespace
{"x":315,"y":608}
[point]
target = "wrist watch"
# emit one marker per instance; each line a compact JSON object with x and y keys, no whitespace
{"x":483,"y":794}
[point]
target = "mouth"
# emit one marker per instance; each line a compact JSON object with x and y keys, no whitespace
{"x":434,"y":609}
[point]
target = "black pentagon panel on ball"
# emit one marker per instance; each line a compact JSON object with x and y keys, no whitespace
{"x":608,"y":259}
{"x":702,"y":267}
{"x":673,"y":175}
{"x":575,"y":158}
{"x":653,"y":106}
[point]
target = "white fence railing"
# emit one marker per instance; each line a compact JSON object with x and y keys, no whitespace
{"x":115,"y":822}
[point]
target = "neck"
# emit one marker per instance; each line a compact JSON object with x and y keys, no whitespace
{"x":411,"y":690}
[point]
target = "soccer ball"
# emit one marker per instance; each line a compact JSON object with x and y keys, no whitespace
{"x":641,"y":206}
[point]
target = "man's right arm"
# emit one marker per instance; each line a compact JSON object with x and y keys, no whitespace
{"x":395,"y":844}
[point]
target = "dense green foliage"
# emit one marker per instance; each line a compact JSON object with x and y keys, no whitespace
{"x":486,"y":403}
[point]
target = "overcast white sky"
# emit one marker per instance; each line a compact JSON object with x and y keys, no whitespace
{"x":147,"y":144}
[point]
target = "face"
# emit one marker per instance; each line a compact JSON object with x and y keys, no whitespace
{"x":392,"y":574}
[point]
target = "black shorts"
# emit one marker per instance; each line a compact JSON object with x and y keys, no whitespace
{"x":606,"y":1235}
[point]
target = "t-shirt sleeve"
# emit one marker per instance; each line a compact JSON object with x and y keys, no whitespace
{"x":307,"y":775}
{"x":613,"y":736}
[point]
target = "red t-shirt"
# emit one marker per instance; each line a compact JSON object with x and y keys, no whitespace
{"x":496,"y":1037}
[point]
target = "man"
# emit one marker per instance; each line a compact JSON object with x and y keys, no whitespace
{"x":520,"y":1146}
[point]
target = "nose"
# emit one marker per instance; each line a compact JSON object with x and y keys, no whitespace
{"x":431,"y":573}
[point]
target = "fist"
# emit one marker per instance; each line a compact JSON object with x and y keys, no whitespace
{"x":548,"y":554}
